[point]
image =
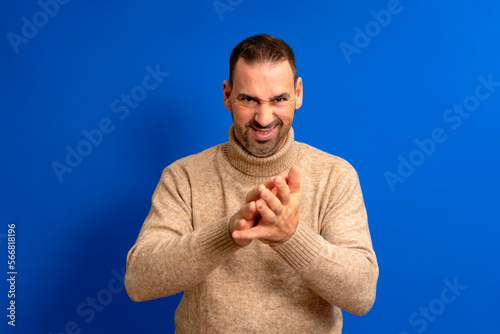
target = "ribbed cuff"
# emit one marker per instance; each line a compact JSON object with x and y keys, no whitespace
{"x":214,"y":240}
{"x":302,"y":248}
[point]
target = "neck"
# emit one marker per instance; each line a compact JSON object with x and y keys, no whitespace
{"x":250,"y":165}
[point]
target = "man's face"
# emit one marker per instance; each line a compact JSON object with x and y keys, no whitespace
{"x":262,"y":102}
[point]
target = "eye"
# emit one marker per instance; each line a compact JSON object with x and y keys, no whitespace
{"x":279,"y":99}
{"x":248,"y":101}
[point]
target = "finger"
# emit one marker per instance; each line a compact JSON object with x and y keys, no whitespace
{"x":294,"y":180}
{"x":244,"y":224}
{"x":283,"y":191}
{"x":254,"y":194}
{"x":267,"y":215}
{"x":285,"y":176}
{"x":241,"y":226}
{"x":272,"y":201}
{"x":248,"y":211}
{"x":256,"y":232}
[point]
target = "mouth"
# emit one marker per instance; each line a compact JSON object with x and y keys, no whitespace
{"x":263,"y":134}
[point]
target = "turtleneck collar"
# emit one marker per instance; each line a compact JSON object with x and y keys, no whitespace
{"x":250,"y":165}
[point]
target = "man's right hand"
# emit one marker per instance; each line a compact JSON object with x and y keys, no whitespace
{"x":244,"y":219}
{"x":248,"y":216}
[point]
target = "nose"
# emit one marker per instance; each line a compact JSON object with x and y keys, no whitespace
{"x":264,"y":115}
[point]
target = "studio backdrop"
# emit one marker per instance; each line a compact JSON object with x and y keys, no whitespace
{"x":98,"y":97}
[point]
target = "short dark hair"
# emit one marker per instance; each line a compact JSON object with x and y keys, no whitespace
{"x":262,"y":48}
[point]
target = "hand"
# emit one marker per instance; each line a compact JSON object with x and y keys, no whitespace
{"x":244,"y":219}
{"x":278,"y":207}
{"x":248,"y":215}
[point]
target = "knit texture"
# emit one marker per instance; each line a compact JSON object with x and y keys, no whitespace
{"x":297,"y":287}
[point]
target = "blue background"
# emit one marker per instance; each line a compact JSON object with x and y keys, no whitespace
{"x":369,"y":107}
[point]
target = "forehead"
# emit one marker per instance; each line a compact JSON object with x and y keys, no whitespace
{"x":263,"y":78}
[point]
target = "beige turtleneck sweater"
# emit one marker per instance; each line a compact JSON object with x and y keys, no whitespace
{"x":297,"y":287}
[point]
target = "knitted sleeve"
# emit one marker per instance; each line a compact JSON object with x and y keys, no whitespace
{"x":339,"y":264}
{"x":169,"y":256}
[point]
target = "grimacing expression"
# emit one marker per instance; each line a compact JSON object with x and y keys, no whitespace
{"x":262,"y":102}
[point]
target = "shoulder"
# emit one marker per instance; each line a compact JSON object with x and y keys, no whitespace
{"x":194,"y":164}
{"x":322,"y":162}
{"x":325,"y":173}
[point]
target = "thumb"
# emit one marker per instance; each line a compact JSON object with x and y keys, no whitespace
{"x":294,"y":180}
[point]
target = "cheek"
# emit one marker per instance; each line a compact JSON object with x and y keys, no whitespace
{"x":287,"y":114}
{"x":242,"y":115}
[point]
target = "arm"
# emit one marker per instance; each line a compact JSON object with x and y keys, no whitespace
{"x":339,"y":264}
{"x":169,"y":256}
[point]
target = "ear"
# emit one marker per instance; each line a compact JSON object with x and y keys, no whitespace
{"x":226,"y":89}
{"x":299,"y":91}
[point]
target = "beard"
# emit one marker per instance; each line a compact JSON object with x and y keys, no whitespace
{"x":261,"y":148}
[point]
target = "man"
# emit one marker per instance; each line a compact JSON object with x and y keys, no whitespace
{"x":262,"y":233}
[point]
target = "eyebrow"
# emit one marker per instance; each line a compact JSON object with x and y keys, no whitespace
{"x":280,"y":96}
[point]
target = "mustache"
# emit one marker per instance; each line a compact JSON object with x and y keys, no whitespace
{"x":254,"y":124}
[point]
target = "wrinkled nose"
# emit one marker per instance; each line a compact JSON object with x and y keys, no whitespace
{"x":264,"y":115}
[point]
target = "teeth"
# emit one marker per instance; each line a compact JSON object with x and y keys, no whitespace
{"x":263,"y":132}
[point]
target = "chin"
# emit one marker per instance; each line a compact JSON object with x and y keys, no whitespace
{"x":263,"y":149}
